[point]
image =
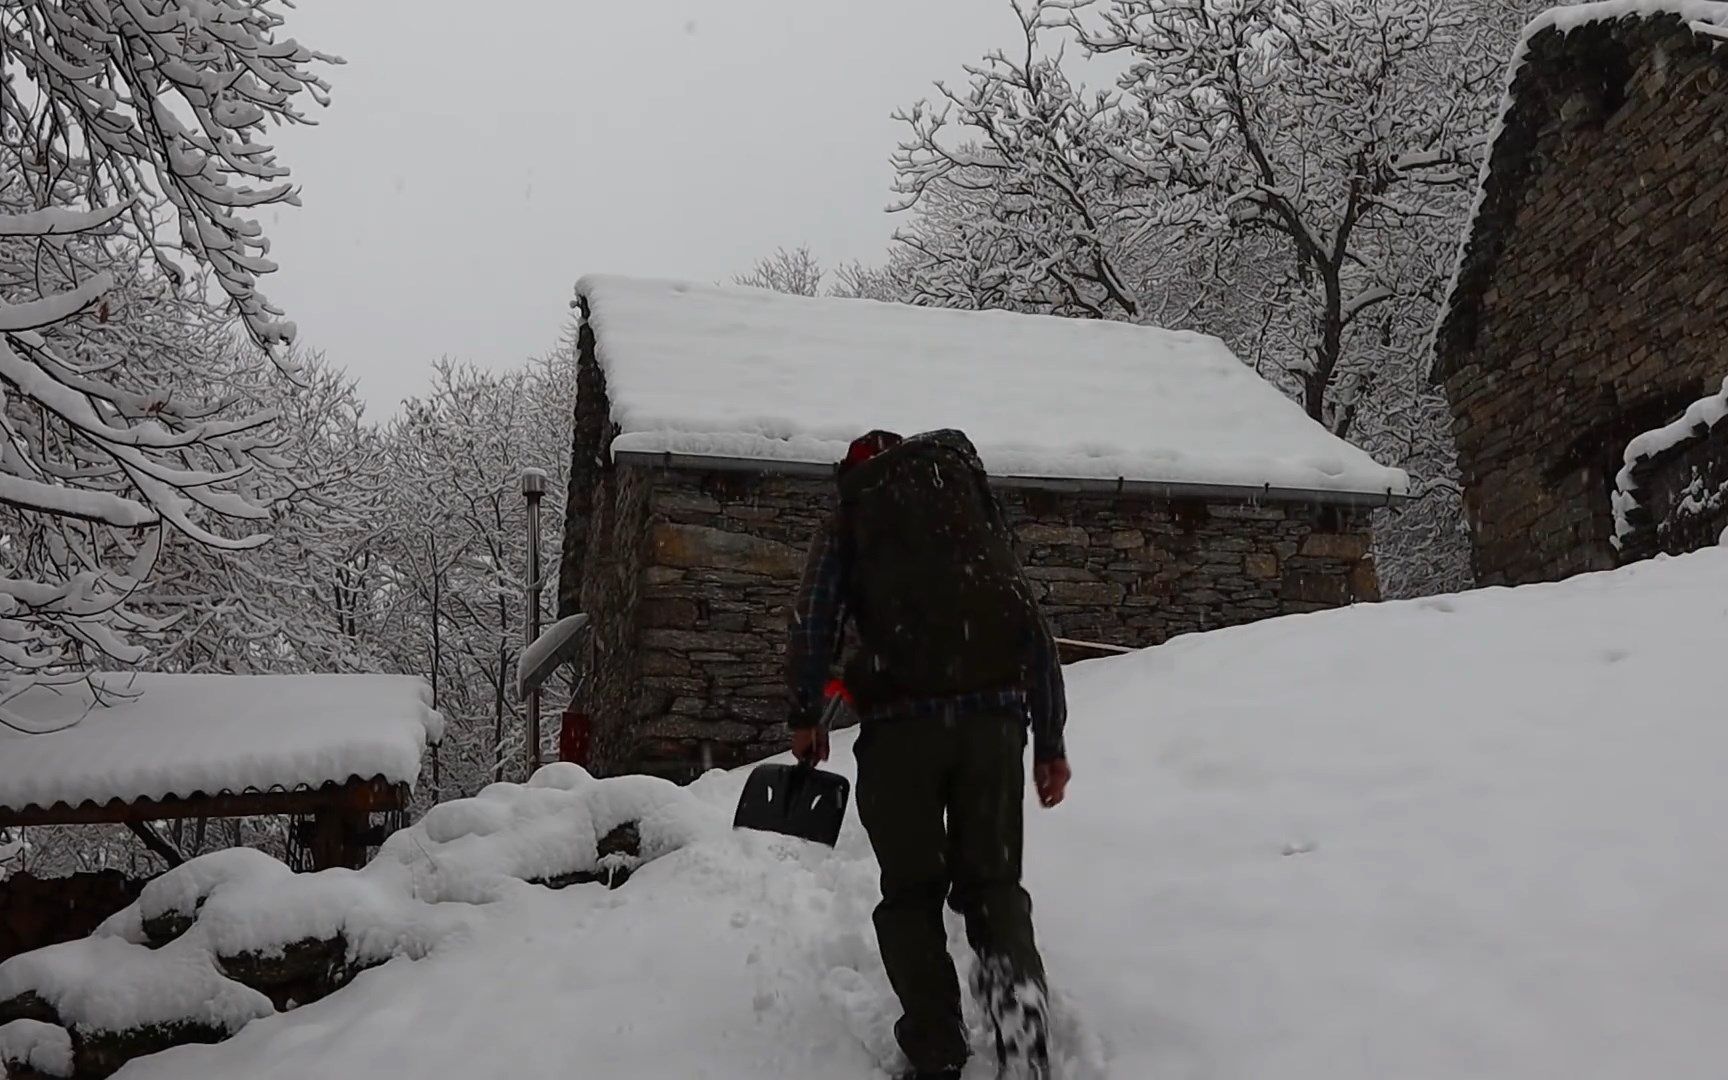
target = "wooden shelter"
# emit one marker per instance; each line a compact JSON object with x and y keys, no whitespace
{"x":131,"y":749}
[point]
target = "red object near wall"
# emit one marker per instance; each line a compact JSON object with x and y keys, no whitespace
{"x":573,"y":737}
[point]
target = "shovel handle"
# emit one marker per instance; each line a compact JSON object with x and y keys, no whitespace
{"x":808,"y":762}
{"x":830,"y":711}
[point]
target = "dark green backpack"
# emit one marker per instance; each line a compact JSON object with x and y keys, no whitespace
{"x":934,"y":589}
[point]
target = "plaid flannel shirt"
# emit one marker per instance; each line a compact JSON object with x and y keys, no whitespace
{"x":813,"y":639}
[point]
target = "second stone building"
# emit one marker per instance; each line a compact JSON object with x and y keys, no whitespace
{"x":1156,"y":486}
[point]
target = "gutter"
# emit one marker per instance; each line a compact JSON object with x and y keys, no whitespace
{"x":1159,"y":489}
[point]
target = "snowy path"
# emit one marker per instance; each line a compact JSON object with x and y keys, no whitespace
{"x":1471,"y":837}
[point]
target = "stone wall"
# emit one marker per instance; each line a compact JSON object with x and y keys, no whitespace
{"x":1683,"y":498}
{"x":35,"y":912}
{"x":724,"y":551}
{"x":592,"y":431}
{"x":1590,"y":303}
{"x":1138,"y":571}
{"x":613,"y":581}
{"x":725,"y":554}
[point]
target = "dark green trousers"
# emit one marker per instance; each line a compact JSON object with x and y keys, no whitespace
{"x":941,"y":798}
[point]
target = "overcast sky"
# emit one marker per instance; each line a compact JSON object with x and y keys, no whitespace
{"x":478,"y":158}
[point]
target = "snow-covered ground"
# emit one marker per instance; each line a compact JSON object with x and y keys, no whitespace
{"x":1479,"y":836}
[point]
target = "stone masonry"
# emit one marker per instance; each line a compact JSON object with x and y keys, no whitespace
{"x":1592,"y":302}
{"x":35,"y":912}
{"x":690,"y":581}
{"x":1683,"y":497}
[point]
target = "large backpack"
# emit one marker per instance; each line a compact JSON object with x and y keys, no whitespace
{"x":934,"y":588}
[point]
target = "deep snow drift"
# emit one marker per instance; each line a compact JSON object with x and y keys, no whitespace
{"x":1478,"y":836}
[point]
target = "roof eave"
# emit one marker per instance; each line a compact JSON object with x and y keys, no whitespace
{"x":1161,"y":489}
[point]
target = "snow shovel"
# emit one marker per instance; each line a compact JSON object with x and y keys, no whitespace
{"x":796,"y":800}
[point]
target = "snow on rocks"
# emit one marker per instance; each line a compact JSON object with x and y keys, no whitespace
{"x":168,"y":904}
{"x":738,"y":372}
{"x":1700,"y":416}
{"x":478,"y":850}
{"x":232,"y":936}
{"x":33,"y":1048}
{"x":107,"y":984}
{"x":162,"y":735}
{"x":116,"y":1001}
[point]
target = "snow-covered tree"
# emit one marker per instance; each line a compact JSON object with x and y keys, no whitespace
{"x":155,"y":108}
{"x":130,"y":174}
{"x":455,"y":550}
{"x":304,"y":602}
{"x":130,"y":170}
{"x":797,"y":272}
{"x":800,"y":273}
{"x":1288,"y":174}
{"x":101,"y":456}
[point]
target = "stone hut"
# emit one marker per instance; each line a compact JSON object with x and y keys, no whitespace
{"x":1590,"y":307}
{"x":1156,"y":484}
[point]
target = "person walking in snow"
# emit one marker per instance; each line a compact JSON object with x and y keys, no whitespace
{"x":954,"y":662}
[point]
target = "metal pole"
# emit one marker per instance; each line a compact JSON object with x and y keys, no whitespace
{"x":533,"y":488}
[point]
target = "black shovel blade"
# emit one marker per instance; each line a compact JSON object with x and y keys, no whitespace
{"x":795,"y":800}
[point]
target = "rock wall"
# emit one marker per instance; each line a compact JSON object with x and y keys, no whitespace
{"x":723,"y":553}
{"x":1136,"y":571}
{"x":612,"y":586}
{"x":44,"y":911}
{"x":1590,"y":304}
{"x":1683,"y":498}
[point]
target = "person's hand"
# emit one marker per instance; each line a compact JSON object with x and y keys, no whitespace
{"x":810,"y":744}
{"x":1051,"y":779}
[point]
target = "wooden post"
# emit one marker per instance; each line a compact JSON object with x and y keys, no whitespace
{"x":327,"y":846}
{"x":533,"y":489}
{"x":338,"y":838}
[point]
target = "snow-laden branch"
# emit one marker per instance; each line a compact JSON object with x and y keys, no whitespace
{"x":36,"y":314}
{"x":101,"y":507}
{"x":162,"y":101}
{"x":59,"y":221}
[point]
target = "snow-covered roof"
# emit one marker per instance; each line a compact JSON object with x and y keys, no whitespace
{"x":1504,"y":166}
{"x":745,"y":373}
{"x":184,"y":735}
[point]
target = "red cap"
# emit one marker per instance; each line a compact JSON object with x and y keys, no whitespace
{"x":865,"y":447}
